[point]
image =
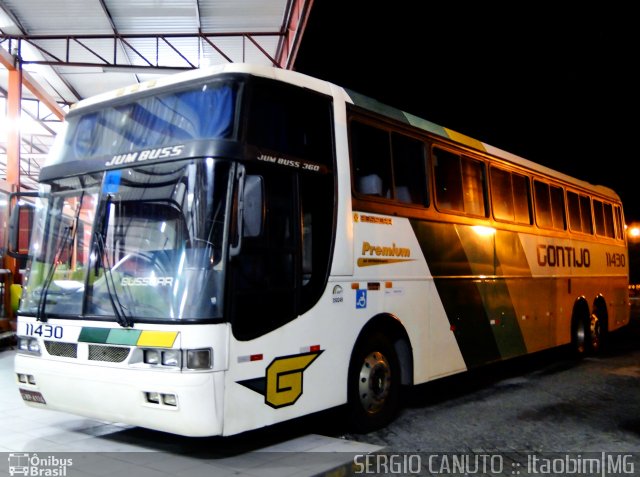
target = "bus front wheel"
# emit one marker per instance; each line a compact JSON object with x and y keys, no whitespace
{"x":374,"y":384}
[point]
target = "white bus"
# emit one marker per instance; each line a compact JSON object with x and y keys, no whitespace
{"x":231,"y":248}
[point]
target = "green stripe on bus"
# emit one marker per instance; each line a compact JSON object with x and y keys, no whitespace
{"x":94,"y":335}
{"x":376,"y":106}
{"x":503,"y":318}
{"x":425,"y":125}
{"x":124,"y":337}
{"x":159,"y":339}
{"x":415,"y":121}
{"x":479,"y":245}
{"x":459,"y":291}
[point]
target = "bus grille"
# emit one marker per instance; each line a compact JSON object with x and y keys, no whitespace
{"x":112,"y":354}
{"x":65,"y":350}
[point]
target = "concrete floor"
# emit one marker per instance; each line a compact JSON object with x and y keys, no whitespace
{"x":81,"y":446}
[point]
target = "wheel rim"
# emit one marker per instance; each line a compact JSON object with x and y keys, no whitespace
{"x":594,"y":333}
{"x":375,"y":382}
{"x":580,"y":337}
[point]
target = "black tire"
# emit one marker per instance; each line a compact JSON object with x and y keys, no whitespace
{"x":587,"y":336}
{"x":374,"y":384}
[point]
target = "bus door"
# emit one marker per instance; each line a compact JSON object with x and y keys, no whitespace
{"x":280,"y":262}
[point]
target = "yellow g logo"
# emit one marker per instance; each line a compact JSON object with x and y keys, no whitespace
{"x":283,"y":381}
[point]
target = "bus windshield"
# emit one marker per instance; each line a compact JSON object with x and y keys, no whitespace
{"x":200,"y":112}
{"x":136,"y":244}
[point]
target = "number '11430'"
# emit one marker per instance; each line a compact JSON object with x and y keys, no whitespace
{"x":44,"y":331}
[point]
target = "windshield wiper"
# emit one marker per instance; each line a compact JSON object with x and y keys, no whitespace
{"x":40,"y":316}
{"x":119,"y":310}
{"x":69,"y":233}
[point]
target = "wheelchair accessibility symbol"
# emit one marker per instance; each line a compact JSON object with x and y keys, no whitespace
{"x":361,"y":299}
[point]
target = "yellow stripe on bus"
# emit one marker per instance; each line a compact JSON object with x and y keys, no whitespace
{"x":158,"y":339}
{"x":468,"y":141}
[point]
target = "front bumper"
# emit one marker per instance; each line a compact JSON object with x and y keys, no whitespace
{"x":121,"y":395}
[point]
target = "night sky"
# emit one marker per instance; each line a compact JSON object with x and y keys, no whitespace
{"x":557,"y":87}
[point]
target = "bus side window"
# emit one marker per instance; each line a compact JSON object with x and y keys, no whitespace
{"x":608,"y":220}
{"x":460,"y":183}
{"x":585,"y":213}
{"x":290,"y":121}
{"x":549,"y":206}
{"x":473,"y":186}
{"x":599,"y":216}
{"x":579,"y":213}
{"x":410,"y":178}
{"x":521,"y":199}
{"x":603,"y":213}
{"x":619,"y":223}
{"x":557,"y":208}
{"x":371,"y":154}
{"x":510,"y":196}
{"x":501,"y":194}
{"x":573,"y":204}
{"x":448,"y":175}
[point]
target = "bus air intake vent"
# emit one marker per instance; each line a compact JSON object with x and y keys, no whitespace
{"x":64,"y":350}
{"x":111,"y":354}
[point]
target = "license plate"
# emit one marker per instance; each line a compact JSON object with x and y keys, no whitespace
{"x":32,"y":396}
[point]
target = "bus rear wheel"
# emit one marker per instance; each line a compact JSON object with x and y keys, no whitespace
{"x":374,"y":384}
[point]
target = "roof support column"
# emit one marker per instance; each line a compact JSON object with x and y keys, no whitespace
{"x":293,"y":30}
{"x":14,"y":100}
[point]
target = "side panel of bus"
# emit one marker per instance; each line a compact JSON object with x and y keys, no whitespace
{"x":499,"y":294}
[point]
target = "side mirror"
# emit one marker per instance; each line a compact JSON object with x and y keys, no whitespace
{"x":253,"y":206}
{"x":249,"y":209}
{"x":20,"y":226}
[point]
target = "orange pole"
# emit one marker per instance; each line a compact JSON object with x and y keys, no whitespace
{"x":14,"y":100}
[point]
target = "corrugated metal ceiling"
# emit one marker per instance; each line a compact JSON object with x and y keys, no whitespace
{"x":79,"y":48}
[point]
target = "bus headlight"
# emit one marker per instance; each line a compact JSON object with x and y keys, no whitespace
{"x":162,"y":357}
{"x":27,"y":344}
{"x":192,"y":359}
{"x":171,"y":357}
{"x":34,"y":346}
{"x":199,"y":358}
{"x":152,"y":356}
{"x":23,"y":343}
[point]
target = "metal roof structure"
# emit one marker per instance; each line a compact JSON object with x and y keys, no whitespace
{"x":73,"y":49}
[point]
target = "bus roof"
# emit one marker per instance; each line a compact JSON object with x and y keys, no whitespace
{"x":415,"y":121}
{"x":355,"y":98}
